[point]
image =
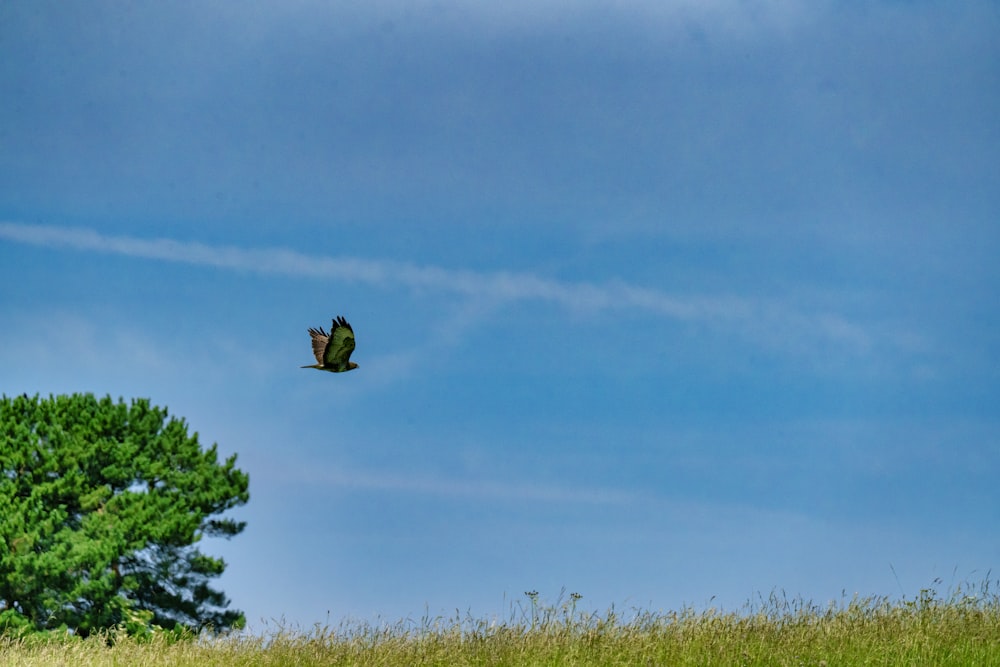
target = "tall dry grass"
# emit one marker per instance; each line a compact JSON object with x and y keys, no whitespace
{"x":962,"y":628}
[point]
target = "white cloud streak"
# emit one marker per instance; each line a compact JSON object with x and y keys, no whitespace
{"x":356,"y":480}
{"x":760,"y":319}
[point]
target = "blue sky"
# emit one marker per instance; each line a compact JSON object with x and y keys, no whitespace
{"x":665,"y":303}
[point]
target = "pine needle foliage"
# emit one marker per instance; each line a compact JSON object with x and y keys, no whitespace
{"x":101,"y":504}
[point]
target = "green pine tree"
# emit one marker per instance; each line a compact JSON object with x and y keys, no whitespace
{"x":101,"y":504}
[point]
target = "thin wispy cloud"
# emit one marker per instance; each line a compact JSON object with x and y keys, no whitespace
{"x":498,"y":286}
{"x":755,"y":317}
{"x":476,"y":489}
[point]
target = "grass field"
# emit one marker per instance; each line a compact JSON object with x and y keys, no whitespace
{"x":962,"y":628}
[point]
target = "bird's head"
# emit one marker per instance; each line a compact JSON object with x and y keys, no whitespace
{"x":351,"y":365}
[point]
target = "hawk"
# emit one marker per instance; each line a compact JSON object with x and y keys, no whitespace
{"x":333,"y":350}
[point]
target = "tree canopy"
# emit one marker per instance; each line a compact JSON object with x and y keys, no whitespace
{"x":101,"y":504}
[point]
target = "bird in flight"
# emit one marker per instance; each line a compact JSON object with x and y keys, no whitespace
{"x":333,"y":350}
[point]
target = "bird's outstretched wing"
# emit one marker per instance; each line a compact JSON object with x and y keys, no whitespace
{"x":339,"y":345}
{"x":320,"y":339}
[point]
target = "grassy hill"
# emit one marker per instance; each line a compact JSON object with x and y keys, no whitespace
{"x":960,"y":629}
